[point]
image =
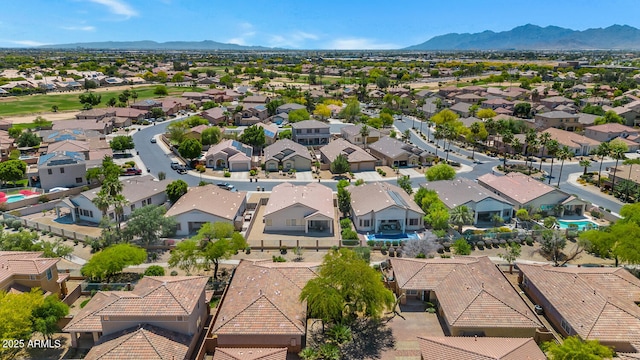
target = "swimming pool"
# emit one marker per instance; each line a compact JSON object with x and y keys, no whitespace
{"x":391,"y":237}
{"x":582,"y":224}
{"x":14,"y":198}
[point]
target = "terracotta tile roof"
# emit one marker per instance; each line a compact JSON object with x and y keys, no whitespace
{"x":262,"y":298}
{"x":226,"y":204}
{"x":148,"y":342}
{"x":354,"y":153}
{"x":378,"y":196}
{"x":479,"y":348}
{"x":136,"y":188}
{"x":518,"y":187}
{"x":461,"y":191}
{"x":87,"y":319}
{"x":472,"y":292}
{"x":598,"y":303}
{"x":313,"y":196}
{"x":353,"y":130}
{"x":250,"y":354}
{"x":23,"y":263}
{"x":570,"y":138}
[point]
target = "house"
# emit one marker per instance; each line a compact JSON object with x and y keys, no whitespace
{"x":95,"y":114}
{"x":256,"y":99}
{"x":229,"y":154}
{"x":472,"y":296}
{"x":461,"y":108}
{"x":526,"y":192}
{"x":261,"y":307}
{"x":161,"y":318}
{"x":288,"y":107}
{"x":310,"y":133}
{"x":288,"y":154}
{"x":553,"y":101}
{"x":496,"y":103}
{"x":270,"y":132}
{"x":579,"y":145}
{"x":353,"y":134}
{"x":21,"y":271}
{"x":146,"y":104}
{"x":51,"y":136}
{"x":280,"y":119}
{"x":483,"y":203}
{"x":484,"y":348}
{"x":359,"y":160}
{"x":250,"y":353}
{"x":378,"y":207}
{"x":133,"y":115}
{"x":393,"y":152}
{"x":251,"y":114}
{"x":196,"y":132}
{"x":216,"y":116}
{"x":195,"y":208}
{"x":610,"y":131}
{"x":138,"y":191}
{"x":62,"y":169}
{"x":557,"y":119}
{"x":593,"y":303}
{"x":76,"y":146}
{"x":104,"y":126}
{"x":300,"y":208}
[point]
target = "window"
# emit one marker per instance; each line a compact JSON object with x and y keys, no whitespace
{"x":91,"y":213}
{"x":178,"y":226}
{"x":366,"y":223}
{"x":111,"y":216}
{"x":149,"y":201}
{"x":179,"y":318}
{"x":49,"y":274}
{"x":32,"y":277}
{"x":105,"y":318}
{"x":414,"y":222}
{"x":133,"y":206}
{"x":412,"y":292}
{"x":78,"y":180}
{"x":309,"y":131}
{"x":61,"y":170}
{"x":317,"y":131}
{"x":144,"y":202}
{"x":268,"y":222}
{"x":49,"y":171}
{"x":565,"y":326}
{"x":291,"y":222}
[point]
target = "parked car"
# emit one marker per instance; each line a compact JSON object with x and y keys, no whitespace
{"x":175,"y":165}
{"x":132,"y":171}
{"x":227,"y":186}
{"x":181,"y":169}
{"x":153,"y":140}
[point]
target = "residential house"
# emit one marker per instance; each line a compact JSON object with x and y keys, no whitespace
{"x":553,"y":101}
{"x":196,"y":208}
{"x":526,"y":192}
{"x":96,"y":114}
{"x":232,"y":353}
{"x":280,"y":119}
{"x":310,"y":133}
{"x":138,"y":191}
{"x":382,"y":207}
{"x":579,"y":145}
{"x":51,"y":136}
{"x":288,"y":107}
{"x":216,"y":116}
{"x":285,"y":154}
{"x":496,"y":103}
{"x":5,"y":124}
{"x":62,"y":169}
{"x":610,"y":131}
{"x":75,"y":146}
{"x":196,"y":132}
{"x":472,"y":296}
{"x":229,"y":154}
{"x":464,"y":192}
{"x":622,"y":172}
{"x":393,"y":152}
{"x":261,"y":307}
{"x":131,"y":114}
{"x":21,"y":271}
{"x":461,"y":108}
{"x":359,"y":160}
{"x":484,"y":348}
{"x":251,"y":114}
{"x":161,"y":318}
{"x":557,"y":119}
{"x":598,"y":303}
{"x":300,"y":208}
{"x":270,"y":132}
{"x":353,"y":134}
{"x":146,"y":104}
{"x":256,"y":99}
{"x":631,"y":117}
{"x":468,"y":98}
{"x":104,"y":126}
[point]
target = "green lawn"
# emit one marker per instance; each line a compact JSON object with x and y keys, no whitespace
{"x":30,"y":104}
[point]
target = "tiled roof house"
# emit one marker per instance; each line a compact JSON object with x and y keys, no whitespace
{"x":479,"y":348}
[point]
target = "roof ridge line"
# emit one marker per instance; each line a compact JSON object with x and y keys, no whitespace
{"x":509,"y":306}
{"x":465,"y":350}
{"x":144,"y":333}
{"x":283,"y":314}
{"x":606,"y":301}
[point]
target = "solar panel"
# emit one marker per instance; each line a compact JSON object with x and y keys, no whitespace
{"x":398,"y":199}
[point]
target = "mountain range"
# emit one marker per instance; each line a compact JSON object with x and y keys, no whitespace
{"x":533,"y":37}
{"x":526,"y":37}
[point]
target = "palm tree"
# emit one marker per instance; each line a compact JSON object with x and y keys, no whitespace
{"x":507,"y":138}
{"x":543,"y":141}
{"x":630,"y":162}
{"x":585,"y":164}
{"x":552,"y":149}
{"x":531,"y":140}
{"x":407,"y":135}
{"x":563,"y":154}
{"x":516,"y":145}
{"x":475,"y":132}
{"x":364,"y":132}
{"x":617,"y":152}
{"x":102,"y":201}
{"x":603,"y":150}
{"x":449,"y":134}
{"x":437,"y":135}
{"x":461,"y":215}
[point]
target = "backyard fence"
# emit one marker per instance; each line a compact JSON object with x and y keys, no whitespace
{"x":67,"y":234}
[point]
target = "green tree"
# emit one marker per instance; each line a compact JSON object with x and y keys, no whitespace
{"x":157,"y":112}
{"x":16,"y":312}
{"x":522,"y":110}
{"x":322,"y":111}
{"x":364,"y":132}
{"x":478,"y":133}
{"x":273,"y":105}
{"x":298,"y":115}
{"x":14,"y":132}
{"x":486,"y":114}
{"x":340,"y":165}
{"x":445,"y":116}
{"x":218,"y":241}
{"x":345,"y":288}
{"x":387,"y":119}
{"x":405,"y":183}
{"x":28,"y":139}
{"x":89,"y":100}
{"x":617,"y":242}
{"x":351,"y":111}
{"x":511,"y":253}
{"x":154,"y":270}
{"x":585,"y":164}
{"x":609,"y":117}
{"x":47,"y":315}
{"x":286,"y":134}
{"x":185,"y":256}
{"x":461,"y":247}
{"x":461,"y":215}
{"x":122,"y":143}
{"x":12,"y":170}
{"x":177,"y":132}
{"x":522,"y":214}
{"x":111,"y":102}
{"x":603,"y":150}
{"x":440,"y":172}
{"x":574,"y":348}
{"x":160,"y":90}
{"x":553,"y":146}
{"x":630,"y":162}
{"x":211,"y":135}
{"x":176,"y":189}
{"x":148,"y":223}
{"x":543,"y":139}
{"x":618,"y":149}
{"x":344,"y":201}
{"x":190,"y":149}
{"x":112,"y":260}
{"x":254,"y":136}
{"x":564,"y":154}
{"x":382,"y":82}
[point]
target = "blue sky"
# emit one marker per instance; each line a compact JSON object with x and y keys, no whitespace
{"x":300,"y":24}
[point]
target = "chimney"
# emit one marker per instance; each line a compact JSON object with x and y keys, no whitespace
{"x":475,"y":337}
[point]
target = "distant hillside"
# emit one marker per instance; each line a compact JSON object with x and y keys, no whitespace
{"x":152,"y":45}
{"x":533,"y":37}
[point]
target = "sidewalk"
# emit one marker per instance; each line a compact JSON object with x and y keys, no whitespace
{"x":573,"y":180}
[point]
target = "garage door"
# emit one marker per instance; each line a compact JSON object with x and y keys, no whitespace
{"x":240,"y":167}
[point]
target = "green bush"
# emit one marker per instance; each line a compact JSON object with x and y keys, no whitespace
{"x":350,"y":242}
{"x":348,"y":234}
{"x":16,"y":224}
{"x":364,"y":252}
{"x":278,"y":258}
{"x":174,"y":273}
{"x":371,"y":243}
{"x":345,"y":224}
{"x":227,"y":174}
{"x":154,"y":270}
{"x":84,"y":303}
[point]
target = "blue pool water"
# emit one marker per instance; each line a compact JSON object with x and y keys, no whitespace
{"x":14,"y":198}
{"x":564,"y":224}
{"x":391,"y":237}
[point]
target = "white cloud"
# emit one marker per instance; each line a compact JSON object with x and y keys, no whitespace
{"x":246,"y":32}
{"x":295,"y":40}
{"x":79,"y":28}
{"x":29,"y":43}
{"x":359,"y":44}
{"x":117,"y":7}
